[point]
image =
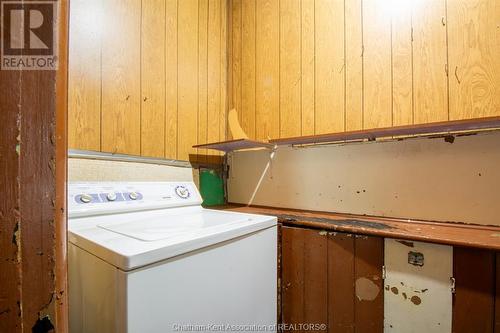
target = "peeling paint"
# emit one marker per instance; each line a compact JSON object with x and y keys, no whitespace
{"x":15,"y":235}
{"x":406,"y":243}
{"x":416,"y":300}
{"x":449,"y":138}
{"x":43,"y":325}
{"x":18,"y":149}
{"x":348,"y":222}
{"x":366,"y":289}
{"x":323,"y":233}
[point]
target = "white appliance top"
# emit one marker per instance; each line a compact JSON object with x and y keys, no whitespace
{"x":134,"y":224}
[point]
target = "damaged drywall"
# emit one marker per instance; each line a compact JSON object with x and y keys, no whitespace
{"x":450,"y":182}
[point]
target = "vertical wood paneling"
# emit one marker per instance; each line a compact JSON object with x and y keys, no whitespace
{"x":203,"y":77}
{"x":188,"y":78}
{"x":330,"y":71}
{"x":307,"y":69}
{"x":292,"y":279}
{"x":315,"y":268}
{"x":473,"y":28}
{"x":354,"y":65}
{"x":402,"y":65}
{"x":84,"y":93}
{"x":153,"y":78}
{"x":305,"y":276}
{"x":224,"y":94}
{"x":297,"y":67}
{"x":369,"y":259}
{"x":473,"y":303}
{"x":377,"y":78}
{"x":171,"y":80}
{"x":214,"y":71}
{"x":121,"y":63}
{"x":429,"y":61}
{"x":236,"y":35}
{"x":248,"y":67}
{"x":341,"y":293}
{"x":147,"y":107}
{"x":290,"y":68}
{"x":267,"y":69}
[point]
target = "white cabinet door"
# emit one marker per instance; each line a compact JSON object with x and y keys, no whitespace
{"x":417,"y":287}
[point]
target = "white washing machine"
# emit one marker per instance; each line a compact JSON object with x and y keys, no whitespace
{"x":146,"y":257}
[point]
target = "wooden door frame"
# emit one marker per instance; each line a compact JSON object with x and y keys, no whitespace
{"x":33,"y":160}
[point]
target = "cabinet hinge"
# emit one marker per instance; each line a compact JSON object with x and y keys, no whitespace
{"x":452,"y":285}
{"x":384,"y":274}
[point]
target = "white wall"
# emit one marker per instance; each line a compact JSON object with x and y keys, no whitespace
{"x":416,"y":178}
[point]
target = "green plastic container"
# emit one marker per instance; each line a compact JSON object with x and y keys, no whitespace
{"x":211,"y":188}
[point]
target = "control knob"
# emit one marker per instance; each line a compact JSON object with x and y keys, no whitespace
{"x":111,"y":196}
{"x":182,"y":192}
{"x":85,"y":198}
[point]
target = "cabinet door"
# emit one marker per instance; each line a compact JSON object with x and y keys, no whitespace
{"x":334,"y":279}
{"x":417,"y":285}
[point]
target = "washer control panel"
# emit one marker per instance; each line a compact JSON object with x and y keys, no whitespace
{"x":94,"y":198}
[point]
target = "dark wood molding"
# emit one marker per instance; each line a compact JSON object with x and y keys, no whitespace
{"x":61,"y":173}
{"x":458,"y":234}
{"x":33,"y":181}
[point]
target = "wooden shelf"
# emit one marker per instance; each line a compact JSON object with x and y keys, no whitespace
{"x":444,"y":127}
{"x":438,"y":128}
{"x":231,"y":145}
{"x":458,"y":234}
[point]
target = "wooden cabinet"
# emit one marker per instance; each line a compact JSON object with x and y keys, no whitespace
{"x":333,"y":279}
{"x":336,"y":279}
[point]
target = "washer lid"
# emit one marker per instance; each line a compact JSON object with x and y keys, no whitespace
{"x":192,"y":224}
{"x":136,"y":239}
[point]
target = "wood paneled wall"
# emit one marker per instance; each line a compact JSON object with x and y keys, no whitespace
{"x":147,"y":77}
{"x":301,"y":67}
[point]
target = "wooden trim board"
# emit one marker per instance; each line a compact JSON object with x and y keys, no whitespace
{"x":467,"y":235}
